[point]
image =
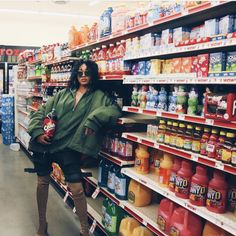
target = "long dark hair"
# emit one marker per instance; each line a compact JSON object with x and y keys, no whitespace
{"x":93,"y":69}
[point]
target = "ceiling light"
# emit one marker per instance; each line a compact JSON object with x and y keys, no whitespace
{"x":60,"y":2}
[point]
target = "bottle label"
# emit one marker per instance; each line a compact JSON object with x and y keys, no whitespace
{"x":182,"y":186}
{"x":131,"y":197}
{"x":172,"y":140}
{"x":49,"y":127}
{"x":111,"y":223}
{"x":203,"y":147}
{"x":161,"y":223}
{"x":196,"y":146}
{"x":174,"y":231}
{"x":120,"y":186}
{"x":157,"y":163}
{"x":164,"y":176}
{"x":167,"y":138}
{"x":198,"y":193}
{"x":160,"y":137}
{"x":180,"y":142}
{"x":233,"y":157}
{"x":172,"y":180}
{"x":215,"y":199}
{"x":211,"y":148}
{"x":232,"y":199}
{"x":188,"y":143}
{"x":111,"y":180}
{"x":226,"y":155}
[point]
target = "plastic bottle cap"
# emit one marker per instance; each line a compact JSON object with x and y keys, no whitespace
{"x":162,"y":122}
{"x":206,"y":129}
{"x":222,"y":133}
{"x":175,"y":124}
{"x":111,"y":45}
{"x":230,"y":135}
{"x":182,"y":125}
{"x":104,"y":46}
{"x":189,"y":126}
{"x":214,"y":131}
{"x":198,"y":128}
{"x":169,"y":123}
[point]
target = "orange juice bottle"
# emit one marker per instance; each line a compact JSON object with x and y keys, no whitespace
{"x":211,"y":229}
{"x":127,"y":226}
{"x":142,"y":159}
{"x":165,"y":169}
{"x":155,"y":161}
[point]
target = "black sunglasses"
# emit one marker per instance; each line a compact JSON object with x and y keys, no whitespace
{"x":84,"y":73}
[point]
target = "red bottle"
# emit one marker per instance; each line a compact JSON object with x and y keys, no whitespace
{"x":217,"y":193}
{"x":231,"y":198}
{"x":49,"y":123}
{"x":204,"y":141}
{"x":183,"y":180}
{"x":198,"y":189}
{"x":173,"y":173}
{"x":220,"y":144}
{"x":211,"y":145}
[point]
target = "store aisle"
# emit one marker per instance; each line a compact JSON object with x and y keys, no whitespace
{"x":17,"y":200}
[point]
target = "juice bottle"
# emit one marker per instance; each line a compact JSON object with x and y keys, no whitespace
{"x":185,"y":223}
{"x":165,"y":169}
{"x":168,"y":132}
{"x":188,"y":139}
{"x":121,"y":185}
{"x":227,"y":148}
{"x":220,"y":144}
{"x":198,"y":189}
{"x":197,"y":134}
{"x":211,"y":145}
{"x":211,"y":229}
{"x":142,"y":231}
{"x":104,"y":209}
{"x":183,"y":180}
{"x":103,"y":169}
{"x":161,"y":131}
{"x":217,"y":193}
{"x":102,"y":59}
{"x":231,"y":198}
{"x":111,"y":178}
{"x":173,"y":173}
{"x":109,"y":58}
{"x":127,"y":226}
{"x":174,"y":134}
{"x":180,"y":136}
{"x":233,"y":157}
{"x":155,"y":161}
{"x":114,"y":215}
{"x":142,"y":159}
{"x":204,"y":141}
{"x":165,"y":211}
{"x":138,"y":194}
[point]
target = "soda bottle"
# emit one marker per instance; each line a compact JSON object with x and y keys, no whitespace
{"x":49,"y":123}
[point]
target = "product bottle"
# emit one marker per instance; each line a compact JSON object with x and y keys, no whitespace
{"x":161,"y":131}
{"x":155,"y":161}
{"x":104,"y":209}
{"x":168,"y":132}
{"x":121,"y":185}
{"x":217,"y":193}
{"x":227,"y":148}
{"x":174,"y":134}
{"x":220,"y":144}
{"x":204,"y":141}
{"x":111,"y":178}
{"x":142,"y":159}
{"x":233,"y":157}
{"x":103,"y":169}
{"x":231,"y":198}
{"x":188,"y":139}
{"x":180,"y":136}
{"x":183,"y":180}
{"x":198,"y":188}
{"x":165,"y":169}
{"x":173,"y":173}
{"x":127,"y":226}
{"x":197,"y":134}
{"x":211,"y":145}
{"x":49,"y":123}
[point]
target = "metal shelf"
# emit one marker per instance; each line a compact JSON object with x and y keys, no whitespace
{"x":142,"y":138}
{"x":180,"y":117}
{"x":23,"y":126}
{"x":54,"y":84}
{"x":225,"y":221}
{"x":34,"y":77}
{"x":66,"y":59}
{"x":23,"y":112}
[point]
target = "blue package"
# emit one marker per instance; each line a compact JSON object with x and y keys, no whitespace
{"x":211,"y":27}
{"x":218,"y":37}
{"x":226,"y":24}
{"x":147,"y":67}
{"x":217,"y":62}
{"x":142,"y":68}
{"x":231,"y":61}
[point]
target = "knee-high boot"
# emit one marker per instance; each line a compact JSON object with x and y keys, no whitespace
{"x":42,"y":198}
{"x":80,"y":206}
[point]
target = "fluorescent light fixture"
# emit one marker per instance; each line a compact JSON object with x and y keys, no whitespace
{"x":94,"y":2}
{"x":47,"y":13}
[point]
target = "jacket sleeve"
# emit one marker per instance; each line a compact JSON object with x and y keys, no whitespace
{"x":35,"y":127}
{"x":104,"y":116}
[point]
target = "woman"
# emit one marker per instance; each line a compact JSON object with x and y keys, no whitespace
{"x":83,"y":115}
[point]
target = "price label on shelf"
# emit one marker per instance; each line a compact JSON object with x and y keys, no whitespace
{"x":209,"y":122}
{"x":66,"y":196}
{"x":181,"y":116}
{"x":93,"y":227}
{"x":194,"y":157}
{"x":74,"y":210}
{"x":219,"y":165}
{"x":158,"y":113}
{"x":96,"y":192}
{"x":144,"y":223}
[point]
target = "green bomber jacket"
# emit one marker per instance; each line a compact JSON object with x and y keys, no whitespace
{"x":95,"y":110}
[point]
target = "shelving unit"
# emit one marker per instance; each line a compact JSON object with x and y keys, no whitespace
{"x":142,"y":138}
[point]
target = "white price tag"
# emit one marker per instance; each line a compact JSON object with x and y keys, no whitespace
{"x":158,"y":113}
{"x":181,"y":116}
{"x":144,"y":223}
{"x":215,"y":3}
{"x":74,"y":210}
{"x":96,"y":192}
{"x":66,"y":196}
{"x":209,"y":122}
{"x":194,"y":157}
{"x":157,"y":145}
{"x":219,"y":165}
{"x":93,"y":227}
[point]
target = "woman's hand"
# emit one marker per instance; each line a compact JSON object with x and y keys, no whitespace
{"x":44,"y":139}
{"x":88,"y":131}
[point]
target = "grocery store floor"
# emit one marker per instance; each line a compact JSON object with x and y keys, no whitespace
{"x":17,"y":200}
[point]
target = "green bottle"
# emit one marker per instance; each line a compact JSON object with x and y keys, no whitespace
{"x":104,"y":209}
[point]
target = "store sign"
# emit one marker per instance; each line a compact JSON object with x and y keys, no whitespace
{"x":10,"y":53}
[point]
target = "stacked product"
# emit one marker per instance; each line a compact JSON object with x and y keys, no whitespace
{"x":8,"y":124}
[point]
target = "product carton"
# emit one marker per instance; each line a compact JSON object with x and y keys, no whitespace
{"x":203,"y":64}
{"x":176,"y":65}
{"x":226,"y":24}
{"x":211,"y":27}
{"x":217,"y":62}
{"x":231,"y":61}
{"x":167,"y":36}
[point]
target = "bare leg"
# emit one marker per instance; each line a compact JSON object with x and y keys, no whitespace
{"x":42,"y":198}
{"x":80,"y":206}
